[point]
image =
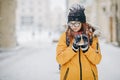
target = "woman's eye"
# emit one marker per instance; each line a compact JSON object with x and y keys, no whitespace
{"x":71,"y":24}
{"x":76,"y":24}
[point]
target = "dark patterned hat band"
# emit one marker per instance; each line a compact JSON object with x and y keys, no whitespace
{"x":76,"y":18}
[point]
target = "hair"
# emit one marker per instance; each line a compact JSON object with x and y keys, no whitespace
{"x":70,"y":34}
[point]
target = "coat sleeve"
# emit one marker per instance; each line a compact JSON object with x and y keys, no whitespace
{"x":63,"y":53}
{"x":94,"y":54}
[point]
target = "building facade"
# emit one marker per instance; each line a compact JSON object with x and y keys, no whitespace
{"x":109,"y":19}
{"x":7,"y":24}
{"x":21,"y":15}
{"x":33,"y":16}
{"x":33,"y":13}
{"x":115,"y":8}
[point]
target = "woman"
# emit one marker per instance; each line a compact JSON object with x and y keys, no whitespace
{"x":78,"y":50}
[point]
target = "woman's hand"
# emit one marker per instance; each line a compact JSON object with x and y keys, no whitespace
{"x":76,"y":42}
{"x":84,"y":40}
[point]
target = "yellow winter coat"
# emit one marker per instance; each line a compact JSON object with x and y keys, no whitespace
{"x":75,"y":66}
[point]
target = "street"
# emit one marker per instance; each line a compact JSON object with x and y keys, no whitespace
{"x":32,"y":62}
{"x":37,"y":61}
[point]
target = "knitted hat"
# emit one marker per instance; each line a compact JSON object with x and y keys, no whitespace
{"x":76,"y":13}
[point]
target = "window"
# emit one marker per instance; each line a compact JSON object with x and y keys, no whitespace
{"x":27,"y":20}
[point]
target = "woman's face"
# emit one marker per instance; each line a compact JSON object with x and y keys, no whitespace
{"x":75,"y":25}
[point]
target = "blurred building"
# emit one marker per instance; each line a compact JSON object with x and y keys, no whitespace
{"x":108,"y":18}
{"x":20,"y":15}
{"x":33,"y":17}
{"x":57,"y":19}
{"x":33,"y":14}
{"x":71,"y":2}
{"x":7,"y":24}
{"x":115,"y":9}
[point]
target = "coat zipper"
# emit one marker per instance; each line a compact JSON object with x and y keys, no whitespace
{"x":66,"y":73}
{"x":80,"y":65}
{"x":93,"y":74}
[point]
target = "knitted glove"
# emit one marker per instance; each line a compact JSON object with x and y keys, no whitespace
{"x":84,"y":46}
{"x":75,"y":45}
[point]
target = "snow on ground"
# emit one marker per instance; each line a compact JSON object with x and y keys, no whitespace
{"x":109,"y":66}
{"x":32,"y":62}
{"x":35,"y":60}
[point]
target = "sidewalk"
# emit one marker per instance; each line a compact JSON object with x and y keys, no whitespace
{"x":36,"y":61}
{"x":22,"y":46}
{"x":109,"y":66}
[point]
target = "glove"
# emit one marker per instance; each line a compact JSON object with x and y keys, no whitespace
{"x":75,"y":45}
{"x":85,"y":46}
